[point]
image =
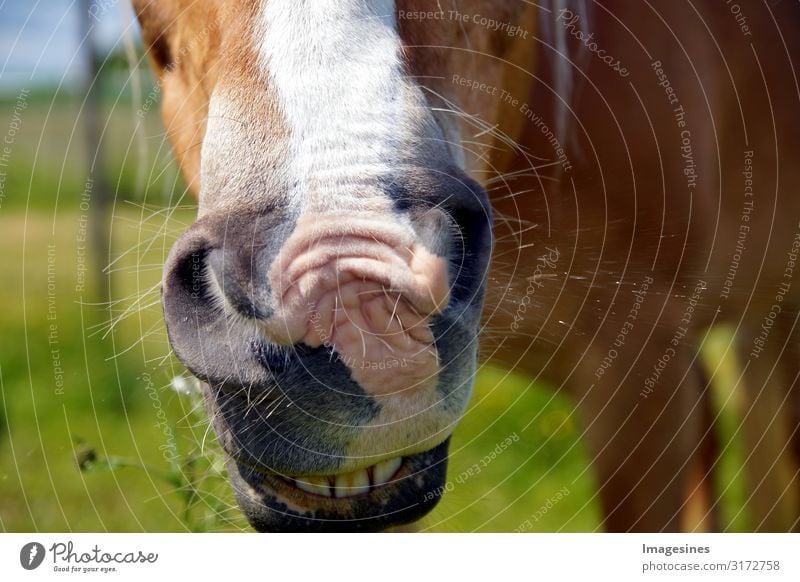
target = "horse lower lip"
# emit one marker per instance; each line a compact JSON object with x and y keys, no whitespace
{"x":359,"y":482}
{"x":272,"y":503}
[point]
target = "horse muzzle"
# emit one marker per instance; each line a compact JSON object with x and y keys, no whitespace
{"x":337,"y":353}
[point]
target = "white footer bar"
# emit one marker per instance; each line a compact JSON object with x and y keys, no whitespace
{"x":401,"y":557}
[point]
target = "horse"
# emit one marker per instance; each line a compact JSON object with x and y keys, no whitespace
{"x":584,"y":189}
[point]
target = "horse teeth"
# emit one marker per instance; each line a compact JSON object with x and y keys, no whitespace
{"x":385,"y":470}
{"x":349,"y":484}
{"x":314,"y":484}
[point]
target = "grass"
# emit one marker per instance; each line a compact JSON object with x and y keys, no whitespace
{"x":115,"y":396}
{"x":118,"y":381}
{"x":116,"y":448}
{"x":76,"y":392}
{"x":48,"y":160}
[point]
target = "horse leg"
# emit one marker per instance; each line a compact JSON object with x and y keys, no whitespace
{"x":702,"y":500}
{"x":792,"y":371}
{"x":769,"y":467}
{"x":642,"y":439}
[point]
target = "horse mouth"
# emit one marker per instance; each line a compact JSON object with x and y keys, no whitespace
{"x":358,"y":482}
{"x":389,"y":493}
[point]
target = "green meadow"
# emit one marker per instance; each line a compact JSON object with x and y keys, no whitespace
{"x":99,"y":426}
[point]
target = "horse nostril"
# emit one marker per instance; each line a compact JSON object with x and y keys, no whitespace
{"x":185,"y":279}
{"x":235,"y":278}
{"x":204,"y":338}
{"x":190,"y":274}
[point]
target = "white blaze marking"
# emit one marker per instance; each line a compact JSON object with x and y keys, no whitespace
{"x":336,"y":67}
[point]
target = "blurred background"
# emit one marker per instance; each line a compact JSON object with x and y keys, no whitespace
{"x":100,"y":427}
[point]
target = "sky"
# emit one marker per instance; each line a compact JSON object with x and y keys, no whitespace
{"x":39,"y":39}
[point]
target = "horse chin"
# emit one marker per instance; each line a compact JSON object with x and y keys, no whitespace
{"x":272,"y":502}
